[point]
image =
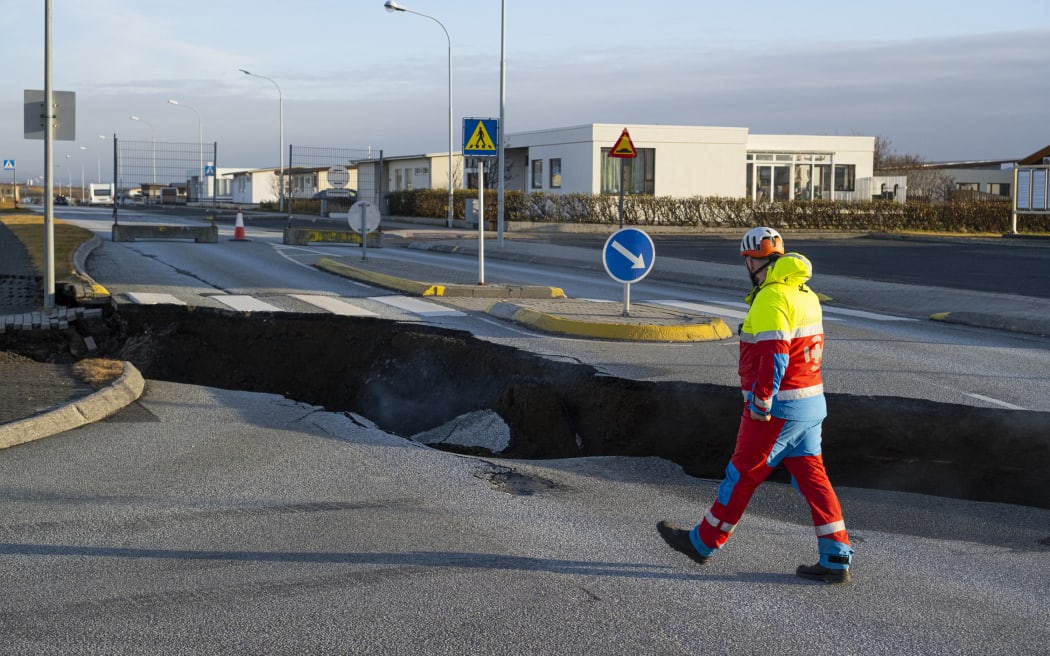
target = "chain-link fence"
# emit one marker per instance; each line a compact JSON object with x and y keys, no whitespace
{"x":161,"y":173}
{"x":315,"y":173}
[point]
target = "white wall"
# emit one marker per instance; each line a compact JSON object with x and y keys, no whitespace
{"x":257,"y":187}
{"x":690,"y":160}
{"x":859,"y":151}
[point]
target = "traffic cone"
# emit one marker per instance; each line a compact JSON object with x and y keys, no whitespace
{"x":238,"y":229}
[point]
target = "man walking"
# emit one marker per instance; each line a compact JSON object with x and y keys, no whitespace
{"x":781,"y":344}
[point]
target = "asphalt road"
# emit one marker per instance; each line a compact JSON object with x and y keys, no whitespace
{"x":986,"y":265}
{"x":206,"y":521}
{"x":1014,"y":266}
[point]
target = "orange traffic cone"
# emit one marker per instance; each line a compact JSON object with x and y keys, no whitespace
{"x":238,"y":229}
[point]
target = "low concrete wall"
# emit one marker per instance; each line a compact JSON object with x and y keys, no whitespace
{"x":133,"y":231}
{"x":303,"y":236}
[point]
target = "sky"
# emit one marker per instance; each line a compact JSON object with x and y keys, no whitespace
{"x":942,"y":80}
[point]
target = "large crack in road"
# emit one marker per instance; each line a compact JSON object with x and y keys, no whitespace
{"x":411,"y":378}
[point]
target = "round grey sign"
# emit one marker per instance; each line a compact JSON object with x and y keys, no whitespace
{"x":338,"y":176}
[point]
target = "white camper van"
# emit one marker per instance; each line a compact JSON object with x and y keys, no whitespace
{"x":100,"y":194}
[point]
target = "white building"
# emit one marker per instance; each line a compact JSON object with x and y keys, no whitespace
{"x":426,"y":171}
{"x":255,"y":186}
{"x":685,"y":161}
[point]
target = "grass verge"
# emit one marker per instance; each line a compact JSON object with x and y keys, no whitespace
{"x":29,"y":228}
{"x":98,"y":372}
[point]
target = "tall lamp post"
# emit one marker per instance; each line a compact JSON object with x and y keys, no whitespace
{"x":98,"y":164}
{"x":103,"y":138}
{"x":153,"y":144}
{"x":81,"y":177}
{"x":280,"y":100}
{"x":393,"y":6}
{"x":200,"y":148}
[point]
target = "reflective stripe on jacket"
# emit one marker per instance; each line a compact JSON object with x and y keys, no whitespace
{"x":782,"y":343}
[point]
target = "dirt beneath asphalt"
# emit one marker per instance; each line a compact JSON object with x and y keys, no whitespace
{"x":410,"y":378}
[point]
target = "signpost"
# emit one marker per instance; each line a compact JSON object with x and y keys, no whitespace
{"x":9,"y":165}
{"x":628,"y":257}
{"x":1031,"y":184}
{"x":623,"y":149}
{"x":363,"y":218}
{"x":480,"y":136}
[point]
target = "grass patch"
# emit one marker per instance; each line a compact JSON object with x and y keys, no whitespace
{"x":29,"y":228}
{"x":98,"y":372}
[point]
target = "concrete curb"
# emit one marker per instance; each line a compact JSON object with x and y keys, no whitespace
{"x":383,"y":280}
{"x":714,"y":329}
{"x":125,"y":389}
{"x":994,"y":321}
{"x":436,"y":289}
{"x":97,"y":293}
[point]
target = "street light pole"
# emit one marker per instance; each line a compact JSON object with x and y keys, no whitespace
{"x":98,"y":156}
{"x":500,"y":190}
{"x":82,"y":175}
{"x":280,"y":100}
{"x":153,"y":144}
{"x":393,"y":6}
{"x":103,"y":138}
{"x":200,"y":148}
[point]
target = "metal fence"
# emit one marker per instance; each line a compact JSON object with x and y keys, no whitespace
{"x":367,"y":162}
{"x":163,"y":173}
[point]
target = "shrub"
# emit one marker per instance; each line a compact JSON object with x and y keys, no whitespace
{"x":717,"y":212}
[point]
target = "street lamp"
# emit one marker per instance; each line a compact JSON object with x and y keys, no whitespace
{"x":153,"y":144}
{"x":103,"y":138}
{"x":81,"y":177}
{"x":84,"y":148}
{"x":393,"y":6}
{"x":200,"y":149}
{"x":98,"y":165}
{"x":280,"y":100}
{"x":69,"y":179}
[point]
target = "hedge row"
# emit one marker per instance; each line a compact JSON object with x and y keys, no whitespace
{"x":713,"y":212}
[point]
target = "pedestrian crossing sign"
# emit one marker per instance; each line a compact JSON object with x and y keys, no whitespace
{"x":480,"y":137}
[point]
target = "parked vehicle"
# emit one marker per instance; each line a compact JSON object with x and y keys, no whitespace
{"x":100,"y":194}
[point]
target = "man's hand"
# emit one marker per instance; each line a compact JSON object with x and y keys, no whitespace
{"x":758,"y":416}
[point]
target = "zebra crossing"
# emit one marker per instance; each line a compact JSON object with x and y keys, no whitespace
{"x":830,"y":313}
{"x":399,"y":306}
{"x":337,"y":305}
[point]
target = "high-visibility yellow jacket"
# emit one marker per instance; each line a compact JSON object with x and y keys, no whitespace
{"x":781,"y":344}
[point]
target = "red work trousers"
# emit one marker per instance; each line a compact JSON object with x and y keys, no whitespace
{"x":760,"y":447}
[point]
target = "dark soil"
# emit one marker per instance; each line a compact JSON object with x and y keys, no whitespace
{"x":408,"y":378}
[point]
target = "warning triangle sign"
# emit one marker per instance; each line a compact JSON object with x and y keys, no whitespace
{"x":624,"y":147}
{"x":480,"y":139}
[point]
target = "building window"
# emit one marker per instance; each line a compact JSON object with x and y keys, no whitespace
{"x":845,"y":177}
{"x":556,"y":173}
{"x":999,"y":188}
{"x":639,"y":172}
{"x":968,"y":186}
{"x":537,"y":174}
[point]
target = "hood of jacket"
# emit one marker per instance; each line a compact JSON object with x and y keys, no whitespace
{"x":789,"y":269}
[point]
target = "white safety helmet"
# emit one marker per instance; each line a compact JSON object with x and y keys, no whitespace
{"x":762,"y":242}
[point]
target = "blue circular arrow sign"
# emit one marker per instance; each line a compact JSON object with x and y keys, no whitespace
{"x":628,"y":255}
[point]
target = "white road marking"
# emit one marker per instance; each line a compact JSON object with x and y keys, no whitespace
{"x":860,"y":314}
{"x":702,"y":308}
{"x":334,"y":305}
{"x":416,"y":306}
{"x":246,"y":303}
{"x":150,"y":298}
{"x":988,"y":399}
